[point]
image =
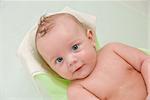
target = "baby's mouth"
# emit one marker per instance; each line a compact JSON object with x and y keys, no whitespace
{"x":79,"y":68}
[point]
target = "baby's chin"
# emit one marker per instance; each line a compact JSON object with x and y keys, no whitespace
{"x":79,"y":76}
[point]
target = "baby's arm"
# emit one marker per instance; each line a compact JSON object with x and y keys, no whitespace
{"x":77,"y":92}
{"x":135,"y":58}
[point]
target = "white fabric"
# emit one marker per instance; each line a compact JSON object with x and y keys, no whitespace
{"x":27,"y":51}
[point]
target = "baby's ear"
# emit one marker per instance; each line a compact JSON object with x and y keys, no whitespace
{"x":91,"y":36}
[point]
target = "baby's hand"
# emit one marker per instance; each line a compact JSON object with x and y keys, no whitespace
{"x":148,"y":97}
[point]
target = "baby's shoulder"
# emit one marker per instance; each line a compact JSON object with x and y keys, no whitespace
{"x":107,"y":48}
{"x":74,"y":86}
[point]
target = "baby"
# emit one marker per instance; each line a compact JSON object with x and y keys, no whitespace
{"x":115,"y":72}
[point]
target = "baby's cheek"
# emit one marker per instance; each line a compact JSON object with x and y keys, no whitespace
{"x":87,"y":55}
{"x":82,"y":54}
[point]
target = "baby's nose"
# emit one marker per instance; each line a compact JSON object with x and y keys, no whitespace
{"x":72,"y":65}
{"x":73,"y":62}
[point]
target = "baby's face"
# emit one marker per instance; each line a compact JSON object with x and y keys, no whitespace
{"x":69,"y":50}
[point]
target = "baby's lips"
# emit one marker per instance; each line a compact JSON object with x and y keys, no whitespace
{"x":77,"y":68}
{"x":73,"y":69}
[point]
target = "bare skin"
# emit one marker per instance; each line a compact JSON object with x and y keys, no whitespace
{"x":112,"y":79}
{"x":116,"y":72}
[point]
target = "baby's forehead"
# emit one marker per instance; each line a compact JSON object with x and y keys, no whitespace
{"x":67,"y":22}
{"x":63,"y":18}
{"x":50,"y":22}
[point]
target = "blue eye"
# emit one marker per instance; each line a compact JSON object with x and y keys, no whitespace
{"x":75,"y":47}
{"x":59,"y":60}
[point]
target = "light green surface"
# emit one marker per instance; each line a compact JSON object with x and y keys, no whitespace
{"x":146,"y":51}
{"x":51,"y":86}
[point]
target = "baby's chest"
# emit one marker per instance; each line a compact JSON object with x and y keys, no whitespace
{"x":113,"y":69}
{"x":110,"y":76}
{"x":117,"y":85}
{"x":105,"y":84}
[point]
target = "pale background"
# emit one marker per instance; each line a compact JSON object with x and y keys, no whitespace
{"x":123,"y":21}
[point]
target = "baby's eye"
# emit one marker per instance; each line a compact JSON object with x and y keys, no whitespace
{"x":75,"y":47}
{"x":59,"y":60}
